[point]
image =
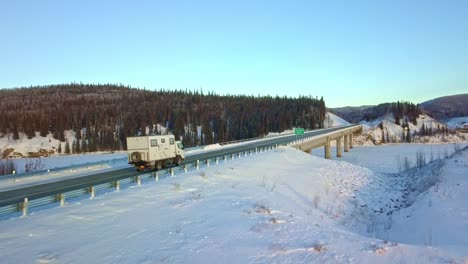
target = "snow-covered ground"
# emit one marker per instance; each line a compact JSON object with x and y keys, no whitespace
{"x":389,"y":158}
{"x":372,"y":133}
{"x":332,"y":120}
{"x":282,"y":206}
{"x":457,"y":122}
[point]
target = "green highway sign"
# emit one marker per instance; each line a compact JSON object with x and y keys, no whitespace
{"x":299,"y":131}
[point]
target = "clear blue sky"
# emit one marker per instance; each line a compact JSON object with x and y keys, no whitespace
{"x":350,"y":52}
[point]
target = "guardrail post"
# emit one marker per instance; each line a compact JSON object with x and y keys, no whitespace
{"x":171,"y":170}
{"x":232,"y":156}
{"x":197,"y":164}
{"x":138,"y":180}
{"x":224,"y":157}
{"x":216,"y":160}
{"x":156,"y":176}
{"x":239,"y":154}
{"x":117,"y":185}
{"x":92,"y":191}
{"x":208,"y":162}
{"x":327,"y":148}
{"x":62,"y":199}
{"x":338,"y":147}
{"x":185,"y":168}
{"x":256,"y":150}
{"x":346,"y":144}
{"x":24,"y":206}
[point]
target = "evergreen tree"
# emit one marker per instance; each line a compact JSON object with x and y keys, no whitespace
{"x":78,"y":146}
{"x":67,"y":147}
{"x":84,"y":146}
{"x":73,"y":148}
{"x":59,"y":150}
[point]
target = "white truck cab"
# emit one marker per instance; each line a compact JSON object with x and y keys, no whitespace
{"x":154,"y":152}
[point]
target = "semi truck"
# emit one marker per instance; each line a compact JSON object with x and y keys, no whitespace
{"x":154,"y":152}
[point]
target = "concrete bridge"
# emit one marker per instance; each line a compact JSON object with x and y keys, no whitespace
{"x":343,"y":137}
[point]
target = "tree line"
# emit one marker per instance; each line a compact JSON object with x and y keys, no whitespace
{"x":103,"y":115}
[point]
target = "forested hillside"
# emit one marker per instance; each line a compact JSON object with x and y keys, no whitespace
{"x":369,"y":113}
{"x":104,"y":115}
{"x":447,"y":107}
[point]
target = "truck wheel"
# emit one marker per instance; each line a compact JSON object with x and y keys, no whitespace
{"x":136,"y":156}
{"x":159,"y":165}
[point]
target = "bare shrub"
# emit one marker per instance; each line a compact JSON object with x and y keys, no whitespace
{"x":428,"y":237}
{"x":406,"y":163}
{"x":176,"y":186}
{"x":195,"y":196}
{"x":7,"y":166}
{"x":319,"y":247}
{"x":261,"y":208}
{"x":33,"y":165}
{"x":272,"y":187}
{"x":263,"y":182}
{"x":177,"y":228}
{"x":203,"y":175}
{"x":275,"y":247}
{"x":420,"y":159}
{"x":316,"y":201}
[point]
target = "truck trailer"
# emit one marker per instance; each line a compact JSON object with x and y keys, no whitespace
{"x":154,"y":152}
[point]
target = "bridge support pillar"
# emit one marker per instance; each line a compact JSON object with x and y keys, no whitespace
{"x":351,"y":140}
{"x":346,"y":143}
{"x":338,"y":147}
{"x":327,"y":149}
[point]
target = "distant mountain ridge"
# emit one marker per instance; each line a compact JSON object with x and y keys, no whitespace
{"x":446,"y":107}
{"x":441,"y":108}
{"x":370,"y":113}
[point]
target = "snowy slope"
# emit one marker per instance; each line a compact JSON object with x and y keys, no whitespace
{"x":24,"y":145}
{"x":457,"y":122}
{"x":282,"y":206}
{"x":439,"y":218}
{"x":372,"y":133}
{"x":332,"y":120}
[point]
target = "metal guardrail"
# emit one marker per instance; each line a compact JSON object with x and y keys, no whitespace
{"x":23,"y":208}
{"x":60,"y":197}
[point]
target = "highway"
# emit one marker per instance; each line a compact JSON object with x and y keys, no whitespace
{"x":15,"y":196}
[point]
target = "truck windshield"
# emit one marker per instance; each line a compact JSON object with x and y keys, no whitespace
{"x":179,"y":145}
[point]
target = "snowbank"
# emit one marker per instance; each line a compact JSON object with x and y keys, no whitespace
{"x":282,"y":206}
{"x":332,"y":120}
